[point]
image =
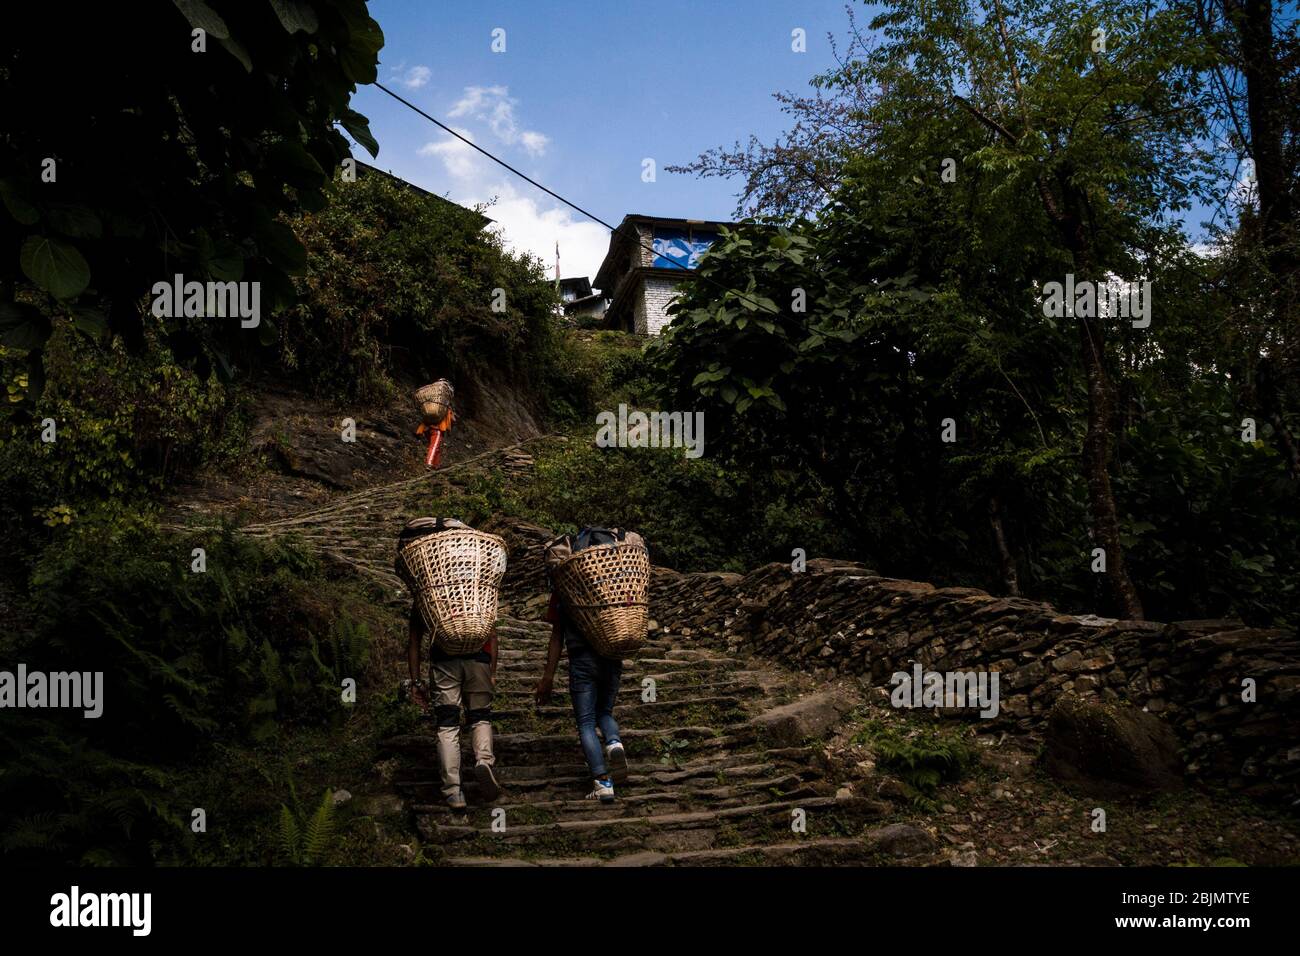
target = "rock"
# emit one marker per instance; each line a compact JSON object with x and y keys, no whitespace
{"x":1108,"y":749}
{"x":341,"y":797}
{"x":899,"y":839}
{"x":645,"y":858}
{"x":892,"y":789}
{"x":382,"y":805}
{"x":791,"y":724}
{"x":1010,"y":763}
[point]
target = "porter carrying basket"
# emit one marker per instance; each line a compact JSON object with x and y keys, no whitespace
{"x":455,"y":576}
{"x":435,"y":401}
{"x":605,"y":590}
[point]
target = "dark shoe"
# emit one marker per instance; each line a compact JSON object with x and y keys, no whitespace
{"x":456,"y":801}
{"x":487,"y":782}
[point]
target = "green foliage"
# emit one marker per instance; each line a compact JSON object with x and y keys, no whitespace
{"x":920,"y":303}
{"x":1213,"y":525}
{"x":695,"y":514}
{"x":402,"y":281}
{"x":126,"y":424}
{"x":590,"y":371}
{"x":236,"y":653}
{"x":307,"y":840}
{"x":216,"y":146}
{"x":921,"y":757}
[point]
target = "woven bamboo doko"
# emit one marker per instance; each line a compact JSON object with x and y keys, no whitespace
{"x":606,"y":590}
{"x":435,"y":401}
{"x":456,"y":576}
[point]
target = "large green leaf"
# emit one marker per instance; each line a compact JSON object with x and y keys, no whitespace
{"x":23,"y":326}
{"x":279,"y":244}
{"x":203,"y":17}
{"x":296,"y":15}
{"x":295,"y":164}
{"x":233,"y":47}
{"x":57,"y":267}
{"x":358,"y":128}
{"x":23,"y":211}
{"x":75,"y":220}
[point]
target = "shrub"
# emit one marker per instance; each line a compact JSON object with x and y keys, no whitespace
{"x":189,"y":659}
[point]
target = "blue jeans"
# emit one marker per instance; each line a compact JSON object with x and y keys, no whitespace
{"x":593,"y":688}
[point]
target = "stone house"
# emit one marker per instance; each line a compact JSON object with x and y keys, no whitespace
{"x":647,"y":259}
{"x":578,"y":301}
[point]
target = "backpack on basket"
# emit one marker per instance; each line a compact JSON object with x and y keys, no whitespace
{"x":455,"y":574}
{"x":603,"y":578}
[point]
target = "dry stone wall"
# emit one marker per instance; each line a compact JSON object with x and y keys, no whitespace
{"x":843,"y":619}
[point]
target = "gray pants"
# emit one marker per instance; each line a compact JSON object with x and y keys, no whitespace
{"x":456,"y":683}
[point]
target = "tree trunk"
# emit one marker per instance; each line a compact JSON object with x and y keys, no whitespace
{"x":1269,"y":119}
{"x":1097,"y":443}
{"x":1010,"y":577}
{"x":1096,"y":469}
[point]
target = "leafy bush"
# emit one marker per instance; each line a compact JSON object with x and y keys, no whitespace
{"x":1213,"y":524}
{"x":695,"y":514}
{"x":124,"y":425}
{"x":189,"y":659}
{"x":399,"y":280}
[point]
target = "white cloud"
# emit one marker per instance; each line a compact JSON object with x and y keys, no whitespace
{"x":529,"y":222}
{"x":494,"y":106}
{"x":528,"y":227}
{"x":412,"y":77}
{"x":416,"y":77}
{"x":533,"y":143}
{"x":461,"y":161}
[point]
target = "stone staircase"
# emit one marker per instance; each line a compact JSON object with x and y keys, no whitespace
{"x":706,"y":785}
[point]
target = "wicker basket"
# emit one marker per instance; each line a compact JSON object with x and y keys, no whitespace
{"x":605,"y":591}
{"x":435,"y":401}
{"x":456,"y":575}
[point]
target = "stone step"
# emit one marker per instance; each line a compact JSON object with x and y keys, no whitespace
{"x":744,"y":819}
{"x":633,"y":801}
{"x":629,"y":712}
{"x":672,"y":738}
{"x":826,"y":851}
{"x":548,"y":782}
{"x":664,"y":689}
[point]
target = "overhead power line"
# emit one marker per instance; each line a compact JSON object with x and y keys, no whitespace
{"x":572,"y":205}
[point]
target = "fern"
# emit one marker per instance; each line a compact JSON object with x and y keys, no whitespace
{"x":289,"y":835}
{"x":309,"y":843}
{"x":320,"y":831}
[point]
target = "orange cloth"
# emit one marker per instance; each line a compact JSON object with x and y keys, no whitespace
{"x":443,"y":426}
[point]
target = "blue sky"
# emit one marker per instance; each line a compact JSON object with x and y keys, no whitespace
{"x":582,"y":94}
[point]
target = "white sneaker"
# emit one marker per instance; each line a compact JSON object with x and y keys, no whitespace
{"x":616,"y":760}
{"x":604,"y":791}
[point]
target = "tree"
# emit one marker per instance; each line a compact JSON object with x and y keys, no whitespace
{"x":192,"y":128}
{"x":1092,"y":123}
